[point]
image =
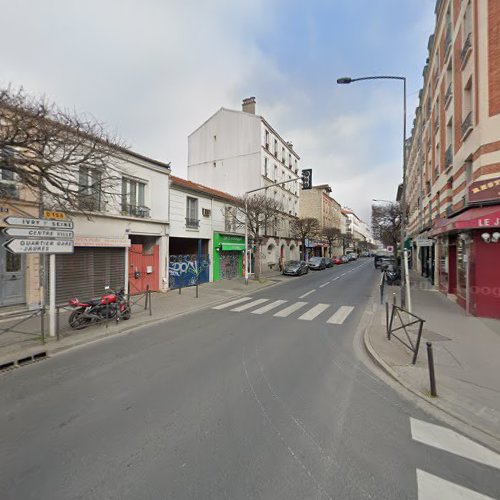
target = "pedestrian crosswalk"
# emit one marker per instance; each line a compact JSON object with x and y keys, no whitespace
{"x":431,"y":486}
{"x":282,"y":308}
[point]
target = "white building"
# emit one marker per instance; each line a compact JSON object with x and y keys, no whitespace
{"x":124,"y":241}
{"x":238,"y":151}
{"x":206,"y":242}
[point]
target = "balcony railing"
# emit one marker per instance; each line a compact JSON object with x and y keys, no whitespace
{"x":448,"y":95}
{"x":467,"y":125}
{"x":466,"y":49}
{"x":447,"y":40}
{"x":90,"y":202}
{"x":136,"y":211}
{"x":448,"y":157}
{"x":192,"y":223}
{"x":436,"y":122}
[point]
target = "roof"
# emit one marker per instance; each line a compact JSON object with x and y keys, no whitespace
{"x":200,"y":188}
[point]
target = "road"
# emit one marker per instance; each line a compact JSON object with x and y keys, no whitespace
{"x":266,"y":398}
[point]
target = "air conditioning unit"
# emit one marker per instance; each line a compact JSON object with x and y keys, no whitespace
{"x":205,"y":212}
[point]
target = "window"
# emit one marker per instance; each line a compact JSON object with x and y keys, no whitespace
{"x":266,"y":173}
{"x":275,"y":179}
{"x":266,"y":139}
{"x":133,"y":198}
{"x":230,"y":219}
{"x":467,"y":109}
{"x":13,"y":262}
{"x":283,"y":155}
{"x":89,"y":181}
{"x":192,"y":220}
{"x":289,"y":160}
{"x":276,"y":148}
{"x":8,"y":187}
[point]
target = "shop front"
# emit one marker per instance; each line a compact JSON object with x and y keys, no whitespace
{"x":228,"y":256}
{"x":469,"y":252}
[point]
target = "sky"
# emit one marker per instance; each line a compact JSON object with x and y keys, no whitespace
{"x":154,"y":70}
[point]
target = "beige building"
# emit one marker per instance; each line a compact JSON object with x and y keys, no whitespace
{"x":318,"y":203}
{"x":453,"y":167}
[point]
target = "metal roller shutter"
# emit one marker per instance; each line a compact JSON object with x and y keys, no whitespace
{"x":85,"y":273}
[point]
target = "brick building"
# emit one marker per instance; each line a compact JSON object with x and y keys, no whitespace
{"x":453,"y":168}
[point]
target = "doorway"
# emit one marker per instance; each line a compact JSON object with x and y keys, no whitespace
{"x":12,"y":271}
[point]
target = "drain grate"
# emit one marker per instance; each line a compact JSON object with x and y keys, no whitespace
{"x":26,"y":360}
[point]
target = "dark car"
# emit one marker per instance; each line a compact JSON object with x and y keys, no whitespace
{"x":329,"y":262}
{"x":378,"y":258}
{"x":295,"y":268}
{"x":317,"y":263}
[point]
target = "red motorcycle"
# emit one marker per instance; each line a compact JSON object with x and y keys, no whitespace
{"x":111,"y":305}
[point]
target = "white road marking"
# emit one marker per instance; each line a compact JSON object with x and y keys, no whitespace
{"x":232,"y":303}
{"x":343,"y":274}
{"x":431,"y":487}
{"x":340,"y":316}
{"x":248,"y":306}
{"x":268,"y":307}
{"x":452,"y":442}
{"x":290,"y":309}
{"x":314,"y":311}
{"x":335,"y":279}
{"x":324,"y":284}
{"x":308,"y":293}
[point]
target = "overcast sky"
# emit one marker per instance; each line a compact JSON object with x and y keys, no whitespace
{"x":154,"y":70}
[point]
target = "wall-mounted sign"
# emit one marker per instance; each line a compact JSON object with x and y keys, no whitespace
{"x":424,"y":242}
{"x":28,"y":232}
{"x":28,"y":221}
{"x":84,"y":241}
{"x":487,"y":190}
{"x":50,"y":214}
{"x":4,"y":210}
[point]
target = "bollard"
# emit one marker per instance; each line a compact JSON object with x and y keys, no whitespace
{"x":147,"y":297}
{"x":107,"y":312}
{"x":387,"y":319}
{"x":196,"y":290}
{"x":180,"y":289}
{"x":42,"y":325}
{"x":149,"y":303}
{"x":58,"y":313}
{"x":432,"y":376}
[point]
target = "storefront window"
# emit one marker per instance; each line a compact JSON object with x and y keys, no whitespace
{"x":461,"y":266}
{"x":443,"y":263}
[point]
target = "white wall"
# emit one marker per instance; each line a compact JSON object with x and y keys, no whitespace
{"x":231,"y":139}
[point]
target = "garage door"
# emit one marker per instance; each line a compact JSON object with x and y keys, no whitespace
{"x":85,"y":273}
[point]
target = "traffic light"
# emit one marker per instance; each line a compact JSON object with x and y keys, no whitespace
{"x":307,"y":178}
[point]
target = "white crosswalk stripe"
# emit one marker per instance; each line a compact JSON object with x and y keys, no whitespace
{"x":430,"y":487}
{"x":269,"y":307}
{"x":314,"y":311}
{"x":290,"y":309}
{"x":341,"y":315}
{"x":232,"y":303}
{"x":244,"y":307}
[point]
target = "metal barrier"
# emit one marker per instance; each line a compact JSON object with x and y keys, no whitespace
{"x":396,"y":312}
{"x":23,"y":317}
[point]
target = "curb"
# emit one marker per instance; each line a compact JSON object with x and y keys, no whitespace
{"x":486,"y":436}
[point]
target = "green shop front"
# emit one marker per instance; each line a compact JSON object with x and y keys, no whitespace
{"x":228,"y":256}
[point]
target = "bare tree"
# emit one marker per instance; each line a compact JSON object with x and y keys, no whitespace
{"x":305,"y":228}
{"x":257,"y":210}
{"x":66,"y":160}
{"x":333,"y":236}
{"x":386,"y":224}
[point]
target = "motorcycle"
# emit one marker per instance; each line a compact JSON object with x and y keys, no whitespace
{"x":392,"y":275}
{"x":111,"y":305}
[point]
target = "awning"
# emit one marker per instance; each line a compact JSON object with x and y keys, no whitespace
{"x":225,"y":247}
{"x":474,"y":218}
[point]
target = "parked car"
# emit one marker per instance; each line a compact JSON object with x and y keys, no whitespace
{"x":338,"y":260}
{"x":345,"y":259}
{"x":378,"y":258}
{"x":329,"y":262}
{"x":295,"y":268}
{"x":317,"y":263}
{"x":353,"y":256}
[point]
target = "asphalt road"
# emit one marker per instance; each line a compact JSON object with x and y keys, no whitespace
{"x":232,"y":404}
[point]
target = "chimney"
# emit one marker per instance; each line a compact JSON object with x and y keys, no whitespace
{"x":248,"y":105}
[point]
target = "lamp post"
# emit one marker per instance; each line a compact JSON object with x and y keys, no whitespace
{"x":347,"y":80}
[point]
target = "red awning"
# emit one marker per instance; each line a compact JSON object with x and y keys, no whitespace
{"x":474,"y":218}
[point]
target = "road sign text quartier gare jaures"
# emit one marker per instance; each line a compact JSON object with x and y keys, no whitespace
{"x":39,"y":235}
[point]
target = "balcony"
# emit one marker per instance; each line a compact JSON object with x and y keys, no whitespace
{"x":436,"y":123}
{"x":192,"y":223}
{"x":447,"y":41}
{"x":136,"y":211}
{"x":448,"y":158}
{"x":466,"y":50}
{"x":89,"y":203}
{"x":467,"y":125}
{"x":448,"y":95}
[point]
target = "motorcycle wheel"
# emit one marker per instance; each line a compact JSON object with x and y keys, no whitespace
{"x":126,"y":313}
{"x":77,"y":321}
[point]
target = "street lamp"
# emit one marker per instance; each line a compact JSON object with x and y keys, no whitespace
{"x":347,"y":80}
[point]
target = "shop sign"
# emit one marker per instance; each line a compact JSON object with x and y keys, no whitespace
{"x":489,"y":222}
{"x":83,"y":241}
{"x":424,"y":242}
{"x":487,"y":190}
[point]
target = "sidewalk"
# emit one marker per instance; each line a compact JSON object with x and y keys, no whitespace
{"x":466,"y":358}
{"x":25,"y":341}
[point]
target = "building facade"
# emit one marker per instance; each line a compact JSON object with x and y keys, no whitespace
{"x":453,"y":167}
{"x":206,"y":241}
{"x":238,"y":151}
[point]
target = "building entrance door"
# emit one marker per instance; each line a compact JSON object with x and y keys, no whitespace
{"x":12,"y":270}
{"x":229,"y":262}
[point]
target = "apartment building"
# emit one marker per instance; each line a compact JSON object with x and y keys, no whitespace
{"x":453,"y":166}
{"x":319,"y":204}
{"x":238,"y":151}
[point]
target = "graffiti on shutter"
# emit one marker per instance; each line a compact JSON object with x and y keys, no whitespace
{"x":187,"y":270}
